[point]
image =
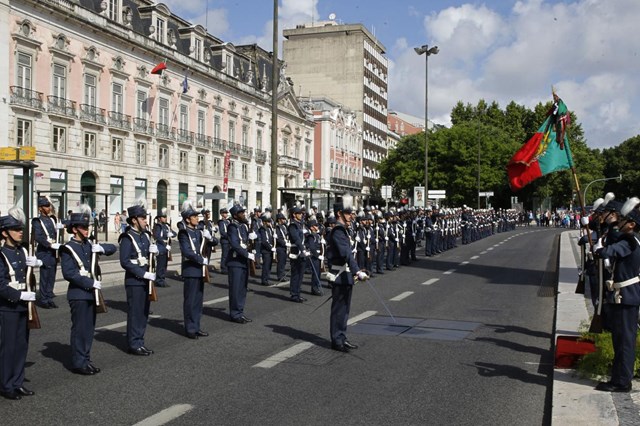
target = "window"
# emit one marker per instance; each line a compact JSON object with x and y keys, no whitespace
{"x":259,"y":139}
{"x":232,"y":131}
{"x":141,"y":105}
{"x":116,"y":149}
{"x":285,"y":146}
{"x":115,"y":199}
{"x":89,"y":144}
{"x":229,"y":64}
{"x":201,"y":118}
{"x":232,"y":169}
{"x":59,"y":81}
{"x":216,"y":127}
{"x":200,"y":165}
{"x":23,"y":133}
{"x":24,"y":71}
{"x":217,"y":167}
{"x":306,"y":153}
{"x":198,"y":48}
{"x":184,"y":117}
{"x":183,"y":193}
{"x":296,"y":152}
{"x":163,"y":156}
{"x":141,"y":189}
{"x":117,"y":98}
{"x":160,"y":24}
{"x":184,"y":161}
{"x":244,"y":171}
{"x":259,"y":174}
{"x":113,"y":10}
{"x":90,"y":89}
{"x":163,"y":114}
{"x":59,"y":140}
{"x":200,"y":196}
{"x":141,"y":153}
{"x":245,"y":135}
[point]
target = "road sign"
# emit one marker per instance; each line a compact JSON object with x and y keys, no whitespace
{"x":306,"y":174}
{"x":486,"y":194}
{"x":437,"y":194}
{"x":385,"y":191}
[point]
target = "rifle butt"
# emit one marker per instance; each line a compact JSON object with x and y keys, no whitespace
{"x":34,"y":318}
{"x":596,"y":324}
{"x":101,"y":305}
{"x":580,"y":285}
{"x":153,"y":293}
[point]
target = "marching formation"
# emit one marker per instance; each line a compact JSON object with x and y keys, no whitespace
{"x":342,"y":247}
{"x":610,"y":261}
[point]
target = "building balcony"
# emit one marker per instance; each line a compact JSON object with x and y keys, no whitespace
{"x":92,"y":114}
{"x":26,"y":98}
{"x":308,"y":166}
{"x":245,"y":151}
{"x":286,"y":161}
{"x":346,"y":182}
{"x":140,"y":125}
{"x":61,"y":106}
{"x":219,"y":145}
{"x":261,"y":155}
{"x":185,"y":136}
{"x":233,"y":147}
{"x":165,"y":132}
{"x":119,"y":120}
{"x":203,"y":141}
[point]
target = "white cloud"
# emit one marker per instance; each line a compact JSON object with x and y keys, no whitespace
{"x":586,"y":48}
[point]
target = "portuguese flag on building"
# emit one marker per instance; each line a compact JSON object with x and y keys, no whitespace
{"x":546,"y":152}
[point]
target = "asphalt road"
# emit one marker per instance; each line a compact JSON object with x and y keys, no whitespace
{"x":499,"y":374}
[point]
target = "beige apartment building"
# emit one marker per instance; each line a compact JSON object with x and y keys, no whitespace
{"x":78,"y":88}
{"x":347,"y":64}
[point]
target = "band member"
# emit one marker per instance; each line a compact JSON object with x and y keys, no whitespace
{"x":345,"y":270}
{"x":313,"y":244}
{"x":223,"y":223}
{"x":207,"y":224}
{"x":14,"y":295}
{"x":267,"y":246}
{"x":282,"y":245}
{"x":75,"y":263}
{"x":237,"y":262}
{"x":162,"y":234}
{"x":46,"y":229}
{"x":298,"y":254}
{"x":135,"y":247}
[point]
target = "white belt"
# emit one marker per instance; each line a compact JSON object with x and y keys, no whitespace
{"x":84,"y":273}
{"x":17,"y":286}
{"x":626,"y":283}
{"x":140,"y":261}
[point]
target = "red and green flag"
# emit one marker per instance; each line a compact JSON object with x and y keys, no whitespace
{"x":546,"y":152}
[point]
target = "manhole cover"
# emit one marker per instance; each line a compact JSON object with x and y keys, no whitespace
{"x":421,"y":328}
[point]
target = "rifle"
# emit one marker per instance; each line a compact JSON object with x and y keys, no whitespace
{"x":153,"y":293}
{"x":96,"y":273}
{"x":252,"y":264}
{"x":580,"y":285}
{"x":57,"y":237}
{"x":34,"y":319}
{"x":169,"y":256}
{"x":205,"y":268}
{"x":596,"y":320}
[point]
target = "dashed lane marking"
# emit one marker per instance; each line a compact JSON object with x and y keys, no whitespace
{"x":166,"y":415}
{"x":483,"y":252}
{"x":365,"y":314}
{"x":449,"y":272}
{"x":490,"y":248}
{"x":475,"y":257}
{"x":464,"y":262}
{"x":276,"y":359}
{"x":120,"y":324}
{"x":401,"y":296}
{"x":430,"y":281}
{"x":214,"y":301}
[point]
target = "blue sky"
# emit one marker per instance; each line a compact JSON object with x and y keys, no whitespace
{"x":498,"y":50}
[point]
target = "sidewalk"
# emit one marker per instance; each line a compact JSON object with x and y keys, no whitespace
{"x":575,"y":401}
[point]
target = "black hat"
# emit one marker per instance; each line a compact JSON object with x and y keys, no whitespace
{"x":136,"y":211}
{"x":205,"y":210}
{"x":14,"y":220}
{"x":613,"y":206}
{"x":162,"y":212}
{"x":78,"y":219}
{"x":224,"y":211}
{"x":280,"y":216}
{"x":296,"y":209}
{"x":188,"y":210}
{"x":43,"y":202}
{"x":236,"y":209}
{"x":312,"y":223}
{"x":265,"y":217}
{"x":331,"y":220}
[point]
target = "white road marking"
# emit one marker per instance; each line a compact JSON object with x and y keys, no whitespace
{"x":401,"y":296}
{"x":483,"y":252}
{"x":218,"y":300}
{"x":475,"y":257}
{"x":449,"y":272}
{"x":365,"y":314}
{"x":490,"y":248}
{"x":166,"y":415}
{"x":464,"y":262}
{"x":431,"y":281}
{"x":120,"y":324}
{"x":276,"y":359}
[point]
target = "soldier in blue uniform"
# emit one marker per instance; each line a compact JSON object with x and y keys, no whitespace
{"x":14,"y":296}
{"x":237,"y":262}
{"x":75,"y":263}
{"x":345,"y":270}
{"x":195,"y":244}
{"x":135,"y":247}
{"x":298,"y":254}
{"x":162,"y":234}
{"x":223,"y":223}
{"x":207,"y":224}
{"x":623,"y":296}
{"x":267,"y":239}
{"x":46,"y":229}
{"x":312,"y":242}
{"x":282,"y":245}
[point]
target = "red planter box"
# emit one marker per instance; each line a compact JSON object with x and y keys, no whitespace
{"x":569,"y":349}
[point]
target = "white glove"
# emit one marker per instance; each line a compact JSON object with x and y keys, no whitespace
{"x":55,"y":246}
{"x":273,"y":249}
{"x":168,"y":247}
{"x":151,"y":276}
{"x":323,"y":241}
{"x":288,"y":244}
{"x":205,"y":261}
{"x":358,"y":239}
{"x":320,"y":258}
{"x":253,"y":236}
{"x":60,"y":225}
{"x":29,"y":296}
{"x":206,"y":234}
{"x":598,"y":245}
{"x":368,"y":248}
{"x":33,"y":261}
{"x":305,"y":231}
{"x":306,"y":253}
{"x":386,"y":238}
{"x":153,"y":248}
{"x":97,"y":284}
{"x":251,"y":256}
{"x":97,"y":248}
{"x":172,"y":234}
{"x":362,"y":276}
{"x":584,"y":220}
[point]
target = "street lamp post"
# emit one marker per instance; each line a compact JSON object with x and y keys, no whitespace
{"x":598,"y":180}
{"x":427,"y":51}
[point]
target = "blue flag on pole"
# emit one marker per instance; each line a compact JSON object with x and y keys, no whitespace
{"x":185,"y":84}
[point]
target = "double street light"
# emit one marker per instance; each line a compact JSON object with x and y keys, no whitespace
{"x":427,"y":51}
